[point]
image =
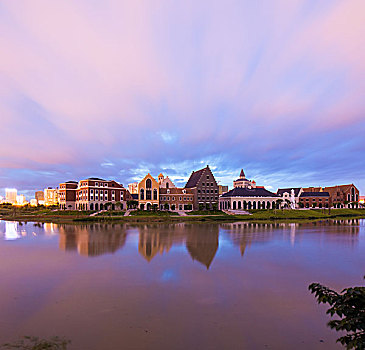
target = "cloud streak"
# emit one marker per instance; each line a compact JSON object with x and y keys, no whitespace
{"x":90,"y":88}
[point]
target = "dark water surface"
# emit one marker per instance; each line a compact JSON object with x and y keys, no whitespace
{"x":180,"y":286}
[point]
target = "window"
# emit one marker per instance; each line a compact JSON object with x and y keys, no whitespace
{"x":180,"y":198}
{"x":148,"y":183}
{"x":173,"y":198}
{"x":211,"y":184}
{"x":203,"y":191}
{"x":207,"y":176}
{"x":121,"y":195}
{"x":184,"y":191}
{"x":96,"y":184}
{"x":155,"y":195}
{"x":198,"y":191}
{"x":168,"y":198}
{"x":167,"y":185}
{"x":168,"y":191}
{"x":141,"y":194}
{"x":216,"y":191}
{"x":203,"y":184}
{"x":148,"y":194}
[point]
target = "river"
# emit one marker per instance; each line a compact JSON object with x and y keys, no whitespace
{"x":176,"y":286}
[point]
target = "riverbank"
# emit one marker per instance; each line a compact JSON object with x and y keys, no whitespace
{"x":74,"y":217}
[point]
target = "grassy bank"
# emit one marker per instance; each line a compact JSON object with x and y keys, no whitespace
{"x":59,"y":216}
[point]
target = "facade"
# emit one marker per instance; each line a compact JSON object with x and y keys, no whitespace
{"x":246,"y":195}
{"x":165,"y":182}
{"x":148,"y":193}
{"x":285,"y":194}
{"x":248,"y":198}
{"x":204,"y":187}
{"x":67,"y":195}
{"x":343,"y":196}
{"x":315,"y":200}
{"x":10,"y":195}
{"x":50,"y":196}
{"x":176,"y":199}
{"x":94,"y":194}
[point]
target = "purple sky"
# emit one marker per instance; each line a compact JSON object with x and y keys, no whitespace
{"x":116,"y":89}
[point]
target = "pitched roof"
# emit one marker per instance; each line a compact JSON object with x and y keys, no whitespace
{"x":249,"y":192}
{"x":194,"y":178}
{"x":95,"y":178}
{"x":281,"y":191}
{"x":314,"y":194}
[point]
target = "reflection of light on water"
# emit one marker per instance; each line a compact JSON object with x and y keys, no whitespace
{"x":11,"y":230}
{"x":292,"y":233}
{"x":50,"y":228}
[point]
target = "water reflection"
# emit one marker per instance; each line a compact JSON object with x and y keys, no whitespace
{"x":92,"y":240}
{"x":200,"y":240}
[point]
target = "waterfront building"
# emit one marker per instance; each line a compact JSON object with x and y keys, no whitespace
{"x":10,"y":195}
{"x":176,"y":199}
{"x":67,"y":195}
{"x":94,"y":194}
{"x":204,"y":187}
{"x":246,"y":195}
{"x":165,"y":182}
{"x":343,"y":196}
{"x":285,"y":194}
{"x":148,"y":193}
{"x":50,"y":196}
{"x":362,"y":201}
{"x":314,"y":200}
{"x":133,"y":188}
{"x":33,"y":202}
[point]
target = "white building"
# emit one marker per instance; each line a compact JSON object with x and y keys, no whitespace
{"x":246,"y":195}
{"x":10,"y":195}
{"x":20,"y":199}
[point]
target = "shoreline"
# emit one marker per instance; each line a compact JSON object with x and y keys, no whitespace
{"x":261,"y":216}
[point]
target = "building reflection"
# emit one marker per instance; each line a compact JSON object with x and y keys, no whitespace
{"x":92,"y":240}
{"x":243,"y":234}
{"x":201,"y":241}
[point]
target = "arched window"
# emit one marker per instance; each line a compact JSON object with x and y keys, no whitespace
{"x":148,"y":183}
{"x":258,"y":205}
{"x":234,"y":205}
{"x":268,"y":205}
{"x":249,"y":206}
{"x":155,"y":195}
{"x":148,"y":194}
{"x":239,"y":205}
{"x":263,"y":205}
{"x":167,"y":185}
{"x":254,"y":205}
{"x":142,"y":194}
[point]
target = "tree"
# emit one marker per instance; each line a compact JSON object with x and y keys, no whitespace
{"x":314,"y":205}
{"x":349,"y":306}
{"x":155,"y":207}
{"x":215,"y":206}
{"x":166,"y":206}
{"x":201,"y":206}
{"x":278,"y":203}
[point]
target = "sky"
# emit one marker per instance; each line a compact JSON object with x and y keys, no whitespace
{"x":117,"y":89}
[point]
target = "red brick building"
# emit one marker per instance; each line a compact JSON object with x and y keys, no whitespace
{"x":67,"y":195}
{"x":94,"y":194}
{"x":174,"y":199}
{"x":343,"y":196}
{"x":314,"y":200}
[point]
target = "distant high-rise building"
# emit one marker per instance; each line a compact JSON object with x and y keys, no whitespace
{"x":10,"y":195}
{"x":20,"y":199}
{"x":39,"y":196}
{"x":50,"y":196}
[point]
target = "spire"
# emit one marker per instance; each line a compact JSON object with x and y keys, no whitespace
{"x":242,"y":174}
